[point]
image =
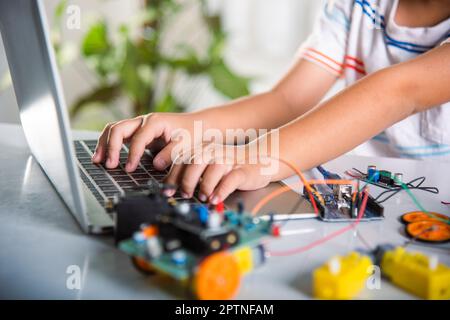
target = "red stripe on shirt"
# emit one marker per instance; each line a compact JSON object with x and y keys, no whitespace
{"x":338,"y":71}
{"x":341,"y":65}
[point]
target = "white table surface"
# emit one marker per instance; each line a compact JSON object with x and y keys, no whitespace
{"x":39,"y":239}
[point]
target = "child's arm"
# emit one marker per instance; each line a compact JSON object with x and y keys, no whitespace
{"x":335,"y":126}
{"x":367,"y":108}
{"x":301,"y":89}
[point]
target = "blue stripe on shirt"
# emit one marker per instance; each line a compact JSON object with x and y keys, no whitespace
{"x":338,"y":17}
{"x":425,"y":154}
{"x":407,"y":46}
{"x":415,"y":151}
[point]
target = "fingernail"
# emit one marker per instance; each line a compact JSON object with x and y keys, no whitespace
{"x":169,"y":192}
{"x":128,"y":167}
{"x":185,"y":195}
{"x":109,"y":163}
{"x":202,"y":197}
{"x":159,"y":163}
{"x":215,"y":200}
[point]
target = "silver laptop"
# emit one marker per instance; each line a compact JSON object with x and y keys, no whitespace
{"x":84,"y":187}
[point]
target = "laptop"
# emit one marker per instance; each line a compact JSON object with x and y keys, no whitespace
{"x":85,"y":188}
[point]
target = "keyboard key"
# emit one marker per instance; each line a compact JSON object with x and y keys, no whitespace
{"x":143,"y":181}
{"x":111,"y":194}
{"x":140,"y":176}
{"x":139,"y":171}
{"x":122,"y":179}
{"x":132,"y":188}
{"x":104,"y":182}
{"x":96,"y":172}
{"x":90,"y":143}
{"x":127,"y":184}
{"x":117,"y":172}
{"x":100,"y":175}
{"x":91,"y":165}
{"x":146,"y":163}
{"x":108,"y":188}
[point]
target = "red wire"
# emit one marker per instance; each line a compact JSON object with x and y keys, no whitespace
{"x":327,"y":238}
{"x":353,"y":175}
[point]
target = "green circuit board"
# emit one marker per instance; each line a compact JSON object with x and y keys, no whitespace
{"x":250,"y":230}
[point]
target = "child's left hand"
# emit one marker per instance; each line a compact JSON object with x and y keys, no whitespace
{"x":219,"y":170}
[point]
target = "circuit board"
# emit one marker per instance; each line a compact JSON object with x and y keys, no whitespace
{"x":341,"y":203}
{"x":249,"y":231}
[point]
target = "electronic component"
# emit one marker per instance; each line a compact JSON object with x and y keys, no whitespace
{"x":134,"y":209}
{"x":398,"y":178}
{"x":341,"y":277}
{"x":373,"y":174}
{"x":341,"y":202}
{"x":386,"y":178}
{"x":207,"y":247}
{"x":392,"y":183}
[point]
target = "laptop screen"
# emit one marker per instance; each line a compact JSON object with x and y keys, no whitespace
{"x":43,"y":113}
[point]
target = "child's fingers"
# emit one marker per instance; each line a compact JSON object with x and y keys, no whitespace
{"x":164,"y":157}
{"x":136,"y":150}
{"x":227,"y":185}
{"x":191,"y":177}
{"x":174,"y":175}
{"x":117,"y":134}
{"x":100,"y":149}
{"x":140,"y":140}
{"x":211,"y":178}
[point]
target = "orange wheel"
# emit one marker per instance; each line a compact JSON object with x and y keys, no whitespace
{"x":218,"y":277}
{"x":142,"y":265}
{"x":430,"y":231}
{"x":415,"y":216}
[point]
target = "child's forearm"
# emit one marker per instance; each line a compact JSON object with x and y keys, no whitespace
{"x":365,"y":109}
{"x":266,"y":110}
{"x":301,"y":89}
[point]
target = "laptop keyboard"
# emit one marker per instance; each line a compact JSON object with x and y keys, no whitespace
{"x":105,"y":183}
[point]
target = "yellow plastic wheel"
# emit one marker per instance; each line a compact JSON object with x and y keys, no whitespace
{"x":142,"y":265}
{"x":218,"y":277}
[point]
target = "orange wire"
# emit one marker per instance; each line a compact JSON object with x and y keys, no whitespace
{"x":261,"y":203}
{"x":305,"y":182}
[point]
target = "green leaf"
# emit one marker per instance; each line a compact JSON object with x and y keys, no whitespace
{"x":217,"y":46}
{"x":227,"y":82}
{"x":101,"y":95}
{"x":96,"y":40}
{"x":59,"y":10}
{"x":134,"y":83}
{"x":167,"y":104}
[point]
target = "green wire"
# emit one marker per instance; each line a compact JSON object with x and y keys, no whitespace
{"x":416,"y":202}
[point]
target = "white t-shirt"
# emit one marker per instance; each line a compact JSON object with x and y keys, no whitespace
{"x":353,"y":38}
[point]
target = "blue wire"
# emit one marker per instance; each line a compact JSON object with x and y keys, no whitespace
{"x":327,"y":174}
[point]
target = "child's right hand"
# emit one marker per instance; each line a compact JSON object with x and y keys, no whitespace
{"x":141,"y":132}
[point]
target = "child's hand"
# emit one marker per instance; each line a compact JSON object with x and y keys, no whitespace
{"x":219,"y":170}
{"x":141,"y":132}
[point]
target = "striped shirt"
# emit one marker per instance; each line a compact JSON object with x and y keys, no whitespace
{"x":353,"y":38}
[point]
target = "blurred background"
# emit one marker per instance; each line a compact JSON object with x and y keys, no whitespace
{"x":121,"y":58}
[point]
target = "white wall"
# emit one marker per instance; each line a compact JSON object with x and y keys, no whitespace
{"x":263,"y":37}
